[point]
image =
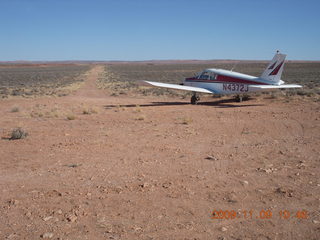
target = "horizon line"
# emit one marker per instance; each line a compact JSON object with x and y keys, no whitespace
{"x":149,"y":60}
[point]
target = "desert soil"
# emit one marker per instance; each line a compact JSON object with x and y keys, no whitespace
{"x":95,"y":166}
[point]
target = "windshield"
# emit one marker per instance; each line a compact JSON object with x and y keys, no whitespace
{"x":204,"y":76}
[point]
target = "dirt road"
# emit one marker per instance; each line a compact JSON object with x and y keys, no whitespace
{"x":133,"y":167}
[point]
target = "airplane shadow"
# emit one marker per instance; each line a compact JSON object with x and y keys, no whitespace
{"x":223,"y":103}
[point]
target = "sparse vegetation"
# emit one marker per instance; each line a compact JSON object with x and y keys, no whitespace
{"x":37,"y":80}
{"x":18,"y":133}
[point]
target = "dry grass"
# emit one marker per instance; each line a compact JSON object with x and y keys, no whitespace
{"x":186,"y":120}
{"x":140,"y":118}
{"x":71,"y":116}
{"x":89,"y":110}
{"x":137,"y":109}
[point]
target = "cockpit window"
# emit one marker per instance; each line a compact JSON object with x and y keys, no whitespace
{"x":213,"y":76}
{"x":204,"y":76}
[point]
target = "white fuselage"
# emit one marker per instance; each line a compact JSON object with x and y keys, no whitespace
{"x":226,"y":82}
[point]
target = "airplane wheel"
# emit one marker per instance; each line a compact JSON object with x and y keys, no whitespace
{"x":194,"y":99}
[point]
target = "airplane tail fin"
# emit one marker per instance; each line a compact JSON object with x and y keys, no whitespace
{"x":274,"y":70}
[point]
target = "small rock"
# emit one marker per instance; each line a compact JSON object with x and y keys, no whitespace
{"x":209,"y":157}
{"x":13,"y":202}
{"x":72,"y":218}
{"x":47,"y":235}
{"x":59,"y":211}
{"x":166,"y":184}
{"x":47,"y":218}
{"x":268,"y":170}
{"x":144,"y":185}
{"x":245,"y":182}
{"x":11,"y":236}
{"x":315,"y":221}
{"x":223,"y":229}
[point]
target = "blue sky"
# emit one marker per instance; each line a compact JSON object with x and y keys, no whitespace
{"x":166,"y":29}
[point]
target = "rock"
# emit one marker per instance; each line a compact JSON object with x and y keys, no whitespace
{"x":223,"y":229}
{"x":315,"y":221}
{"x":212,"y":158}
{"x":268,"y":170}
{"x":47,"y":235}
{"x":166,"y":184}
{"x":72,"y":218}
{"x":13,"y":202}
{"x":12,"y":236}
{"x":245,"y":182}
{"x":47,"y":218}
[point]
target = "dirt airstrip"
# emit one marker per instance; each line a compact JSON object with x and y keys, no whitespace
{"x":96,"y":166}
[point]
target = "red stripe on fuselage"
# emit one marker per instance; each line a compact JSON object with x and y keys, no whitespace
{"x":227,"y":79}
{"x":222,"y":78}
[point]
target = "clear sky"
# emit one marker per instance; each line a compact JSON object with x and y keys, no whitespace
{"x":158,"y":29}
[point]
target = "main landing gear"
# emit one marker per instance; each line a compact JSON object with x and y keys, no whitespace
{"x":194,"y":99}
{"x":239,"y":98}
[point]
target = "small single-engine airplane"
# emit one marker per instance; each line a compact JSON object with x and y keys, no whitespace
{"x":223,"y":82}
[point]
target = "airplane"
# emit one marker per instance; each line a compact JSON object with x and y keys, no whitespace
{"x":224,"y":82}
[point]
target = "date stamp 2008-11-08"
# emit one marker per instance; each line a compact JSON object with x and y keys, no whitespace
{"x":263,"y":214}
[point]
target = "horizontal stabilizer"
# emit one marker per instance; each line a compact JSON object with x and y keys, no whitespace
{"x":275,"y":86}
{"x":178,"y":87}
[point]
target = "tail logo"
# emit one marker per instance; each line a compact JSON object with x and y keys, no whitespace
{"x":276,"y":70}
{"x":272,"y":66}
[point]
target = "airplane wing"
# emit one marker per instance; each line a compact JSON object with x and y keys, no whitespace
{"x":275,"y":86}
{"x":178,"y":87}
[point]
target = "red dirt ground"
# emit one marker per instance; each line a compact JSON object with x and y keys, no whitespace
{"x":157,"y":168}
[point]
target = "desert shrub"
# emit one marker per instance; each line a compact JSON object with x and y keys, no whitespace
{"x":18,"y":133}
{"x":140,"y":118}
{"x":88,"y":111}
{"x":15,"y":109}
{"x":71,"y":117}
{"x":186,"y":121}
